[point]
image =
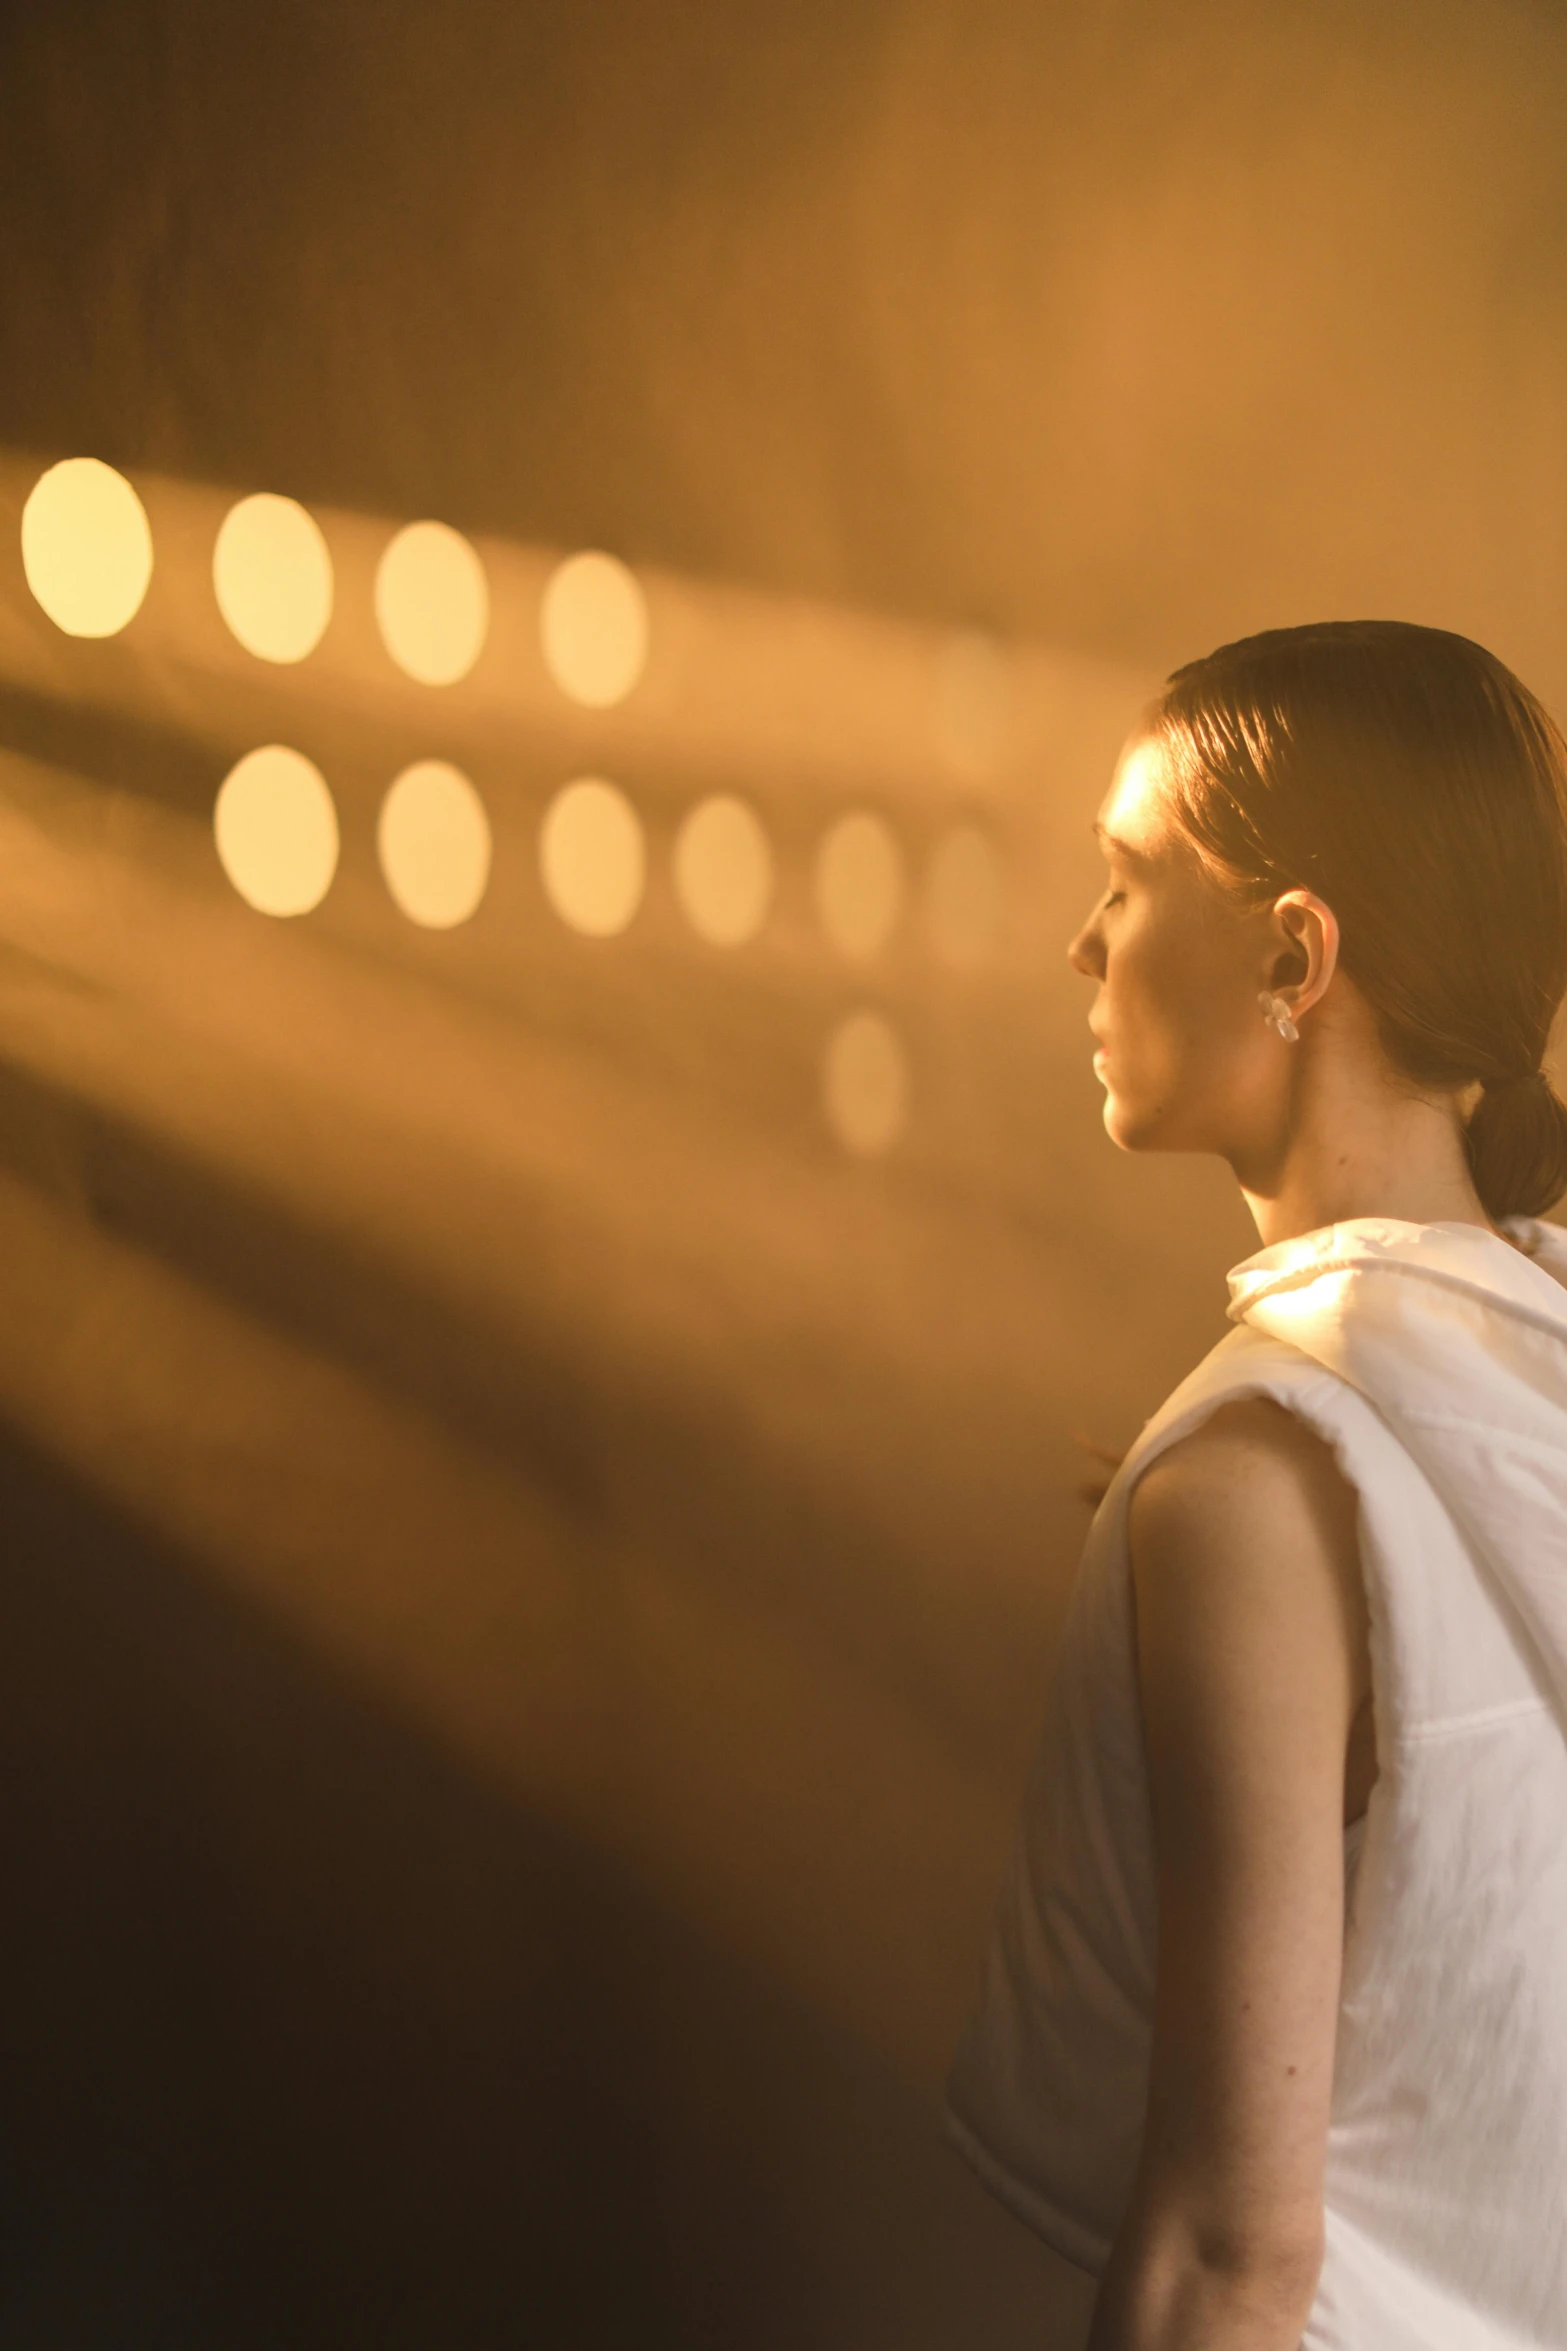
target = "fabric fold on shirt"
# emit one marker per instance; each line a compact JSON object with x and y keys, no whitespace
{"x":1460,"y":1342}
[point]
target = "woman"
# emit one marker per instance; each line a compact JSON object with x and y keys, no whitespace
{"x":1318,"y":1645}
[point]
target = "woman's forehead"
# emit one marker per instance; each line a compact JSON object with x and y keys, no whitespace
{"x":1134,"y":813}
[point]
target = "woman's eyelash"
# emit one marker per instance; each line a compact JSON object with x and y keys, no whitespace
{"x":1114,"y":897}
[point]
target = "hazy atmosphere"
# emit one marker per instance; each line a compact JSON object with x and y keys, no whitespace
{"x":542,"y":1425}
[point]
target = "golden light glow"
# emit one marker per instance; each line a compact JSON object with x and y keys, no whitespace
{"x":86,"y":547}
{"x":859,"y":884}
{"x":973,"y":700}
{"x":276,"y":831}
{"x":723,"y":871}
{"x":273,"y":577}
{"x":1133,"y":807}
{"x":593,"y":857}
{"x":432,"y":603}
{"x":964,"y":898}
{"x":433,"y":840}
{"x":593,"y":627}
{"x":865,"y":1084}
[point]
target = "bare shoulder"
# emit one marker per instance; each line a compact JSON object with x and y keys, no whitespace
{"x":1245,"y":1555}
{"x":1248,"y":1463}
{"x":1251,"y":1484}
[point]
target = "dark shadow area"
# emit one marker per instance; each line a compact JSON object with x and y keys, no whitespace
{"x":857,"y":299}
{"x":309,"y":2039}
{"x":665,"y":1468}
{"x":114,"y":748}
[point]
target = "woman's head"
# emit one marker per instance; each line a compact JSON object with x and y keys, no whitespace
{"x":1364,"y":798}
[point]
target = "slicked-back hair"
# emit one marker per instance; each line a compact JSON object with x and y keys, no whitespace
{"x":1413,"y":783}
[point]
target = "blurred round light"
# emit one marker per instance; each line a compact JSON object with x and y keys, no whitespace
{"x":276,"y":831}
{"x":859,"y":884}
{"x":433,"y":840}
{"x":723,"y":871}
{"x":973,"y":699}
{"x":86,"y":547}
{"x":964,"y":900}
{"x":432,"y":603}
{"x":273,"y":577}
{"x":594,"y":629}
{"x":865,"y":1084}
{"x":592,"y":857}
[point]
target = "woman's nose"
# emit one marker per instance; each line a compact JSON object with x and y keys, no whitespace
{"x":1085,"y":953}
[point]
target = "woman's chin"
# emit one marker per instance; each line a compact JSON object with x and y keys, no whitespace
{"x":1127,"y":1128}
{"x":1114,"y":1115}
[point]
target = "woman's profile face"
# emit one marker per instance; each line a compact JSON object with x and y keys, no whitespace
{"x":1185,"y":1057}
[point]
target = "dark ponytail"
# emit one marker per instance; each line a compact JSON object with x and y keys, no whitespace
{"x":1517,"y":1143}
{"x":1410,"y":780}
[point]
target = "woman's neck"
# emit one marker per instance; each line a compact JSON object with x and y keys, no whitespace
{"x":1357,"y":1143}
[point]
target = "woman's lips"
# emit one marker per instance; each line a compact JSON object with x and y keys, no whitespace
{"x":1099,"y":1058}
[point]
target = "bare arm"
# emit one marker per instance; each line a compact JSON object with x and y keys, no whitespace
{"x":1252,"y":1660}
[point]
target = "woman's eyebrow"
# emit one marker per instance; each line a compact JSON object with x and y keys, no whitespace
{"x":1114,"y":842}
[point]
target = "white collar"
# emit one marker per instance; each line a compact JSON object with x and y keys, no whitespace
{"x":1458,"y":1256}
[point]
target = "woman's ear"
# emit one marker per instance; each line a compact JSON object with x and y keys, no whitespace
{"x":1305,"y":943}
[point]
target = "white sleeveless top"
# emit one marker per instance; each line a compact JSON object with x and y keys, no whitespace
{"x":1433,"y":1358}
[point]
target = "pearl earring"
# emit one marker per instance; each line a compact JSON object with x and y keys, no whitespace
{"x":1277,"y":1015}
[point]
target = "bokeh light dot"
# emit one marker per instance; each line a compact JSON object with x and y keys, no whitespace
{"x":276,"y":831}
{"x":593,"y":629}
{"x":965,"y":901}
{"x":859,"y":884}
{"x":432,"y":603}
{"x":86,"y":547}
{"x":592,"y":857}
{"x":272,"y":576}
{"x":433,"y":840}
{"x":723,"y":871}
{"x":865,"y":1084}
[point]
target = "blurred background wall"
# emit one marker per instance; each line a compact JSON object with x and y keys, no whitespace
{"x":539,"y":1454}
